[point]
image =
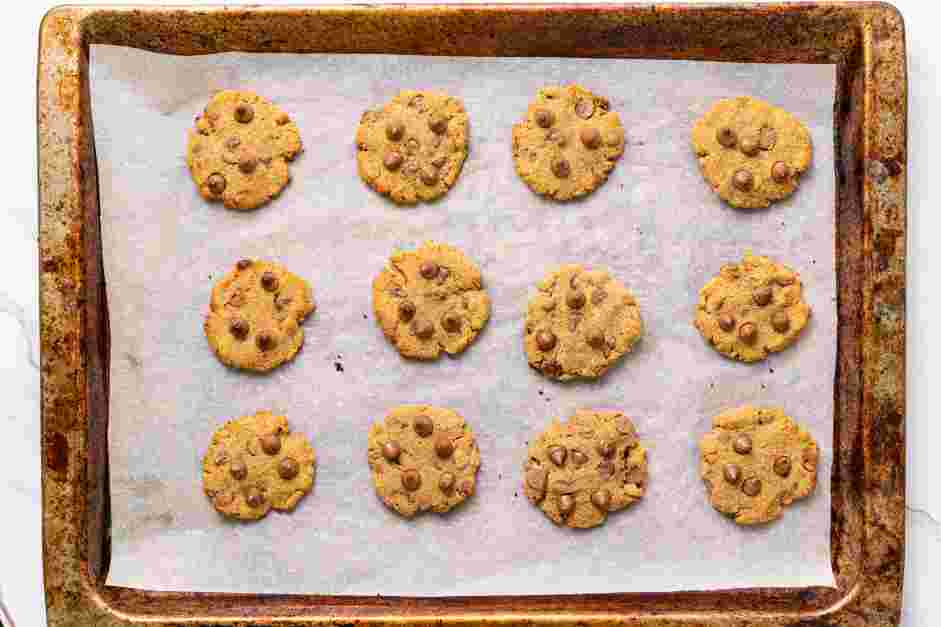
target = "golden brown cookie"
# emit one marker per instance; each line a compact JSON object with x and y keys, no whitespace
{"x":430,"y":300}
{"x":255,"y":463}
{"x":756,"y":461}
{"x":255,"y":315}
{"x":580,"y":323}
{"x":752,"y":153}
{"x":751,"y":309}
{"x":423,"y":458}
{"x":568,"y":142}
{"x":240,"y":148}
{"x":413,"y":147}
{"x":580,"y":470}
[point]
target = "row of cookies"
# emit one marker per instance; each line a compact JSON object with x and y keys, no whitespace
{"x":431,"y":300}
{"x":413,"y":147}
{"x":754,"y":462}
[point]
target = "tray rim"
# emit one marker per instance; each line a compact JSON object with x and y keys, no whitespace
{"x":868,"y":509}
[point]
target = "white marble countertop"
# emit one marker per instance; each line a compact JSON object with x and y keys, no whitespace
{"x":20,"y":540}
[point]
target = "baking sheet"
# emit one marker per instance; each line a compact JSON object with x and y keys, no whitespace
{"x":655,"y":224}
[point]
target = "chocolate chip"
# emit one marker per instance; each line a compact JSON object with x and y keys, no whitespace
{"x":598,"y":296}
{"x":406,"y":310}
{"x":566,"y":504}
{"x":544,"y":117}
{"x":232,"y":142}
{"x":584,"y":108}
{"x":238,"y":328}
{"x":423,"y":425}
{"x":575,"y":299}
{"x":782,"y":466}
{"x":216,"y":183}
{"x":264,"y":341}
{"x":767,"y":138}
{"x":248,"y":163}
{"x":446,"y":481}
{"x":726,"y":322}
{"x":254,"y":497}
{"x":590,"y":136}
{"x":763,"y":296}
{"x":561,"y":167}
{"x":244,"y":113}
{"x":238,"y":470}
{"x":742,"y":444}
{"x":428,"y":269}
{"x":780,"y":322}
{"x":394,"y":130}
{"x":732,"y":473}
{"x":558,"y":454}
{"x":391,"y":450}
{"x":288,"y":468}
{"x":606,"y":469}
{"x":751,"y":486}
{"x":743,"y":180}
{"x":605,"y":448}
{"x":595,"y":338}
{"x":726,"y":137}
{"x":451,"y":322}
{"x":243,"y":264}
{"x":545,"y":340}
{"x":438,"y":124}
{"x":780,"y":172}
{"x":429,"y":176}
{"x":422,"y":329}
{"x":579,"y":458}
{"x":444,"y":447}
{"x":269,"y":280}
{"x":748,"y":332}
{"x":393,"y":160}
{"x":466,"y":488}
{"x":270,"y":443}
{"x":601,"y":499}
{"x":749,"y":146}
{"x":411,"y":479}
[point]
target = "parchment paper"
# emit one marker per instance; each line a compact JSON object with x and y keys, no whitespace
{"x":655,"y":224}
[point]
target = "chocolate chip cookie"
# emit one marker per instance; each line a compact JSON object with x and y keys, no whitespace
{"x":423,"y":458}
{"x":579,"y":323}
{"x":751,"y":309}
{"x":255,"y":463}
{"x":239,"y":151}
{"x":255,"y":315}
{"x":412,"y":148}
{"x":756,"y":461}
{"x":430,"y":300}
{"x":580,"y":470}
{"x":751,"y":152}
{"x":568,"y":142}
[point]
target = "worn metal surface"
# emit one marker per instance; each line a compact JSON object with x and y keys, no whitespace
{"x":866,"y":40}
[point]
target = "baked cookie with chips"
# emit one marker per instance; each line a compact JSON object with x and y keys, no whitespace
{"x":239,"y":151}
{"x":751,"y":152}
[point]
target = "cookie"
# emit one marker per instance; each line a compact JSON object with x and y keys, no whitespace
{"x":239,"y":151}
{"x":751,"y":309}
{"x":568,"y":142}
{"x":751,"y":152}
{"x":430,"y":300}
{"x":423,"y":458}
{"x":580,"y":470}
{"x":755,"y":462}
{"x":579,"y":323}
{"x":255,"y":315}
{"x":255,"y":463}
{"x":412,"y":148}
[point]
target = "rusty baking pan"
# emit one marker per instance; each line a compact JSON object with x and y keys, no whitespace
{"x":867,"y":43}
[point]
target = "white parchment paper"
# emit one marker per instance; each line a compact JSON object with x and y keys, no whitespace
{"x":655,"y":224}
